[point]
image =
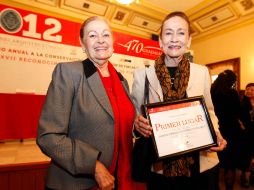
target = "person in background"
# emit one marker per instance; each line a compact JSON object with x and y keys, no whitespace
{"x":84,"y":126}
{"x":173,"y":77}
{"x":227,"y":107}
{"x":248,"y":110}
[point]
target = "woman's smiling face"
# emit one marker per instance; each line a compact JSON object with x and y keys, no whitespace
{"x":175,"y":38}
{"x":98,"y":41}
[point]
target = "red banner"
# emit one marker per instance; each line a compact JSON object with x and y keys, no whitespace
{"x":137,"y":47}
{"x":31,"y":44}
{"x":28,"y":24}
{"x":33,"y":25}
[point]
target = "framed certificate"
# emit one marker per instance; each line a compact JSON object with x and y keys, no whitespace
{"x":180,"y":126}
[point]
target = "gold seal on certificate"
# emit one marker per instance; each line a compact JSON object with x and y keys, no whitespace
{"x":180,"y":126}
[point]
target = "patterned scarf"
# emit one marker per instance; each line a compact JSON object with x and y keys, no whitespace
{"x":183,"y":165}
{"x":180,"y":82}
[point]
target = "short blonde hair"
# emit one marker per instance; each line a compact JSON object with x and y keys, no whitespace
{"x":87,"y":21}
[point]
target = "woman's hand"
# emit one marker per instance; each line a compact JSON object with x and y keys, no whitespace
{"x":103,"y":178}
{"x":222,"y":143}
{"x":142,"y":126}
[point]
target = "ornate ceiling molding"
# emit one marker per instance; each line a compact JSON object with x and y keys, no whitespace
{"x":210,"y":17}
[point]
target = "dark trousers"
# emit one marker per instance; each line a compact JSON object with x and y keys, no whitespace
{"x":158,"y":181}
{"x":208,"y":180}
{"x":46,"y":188}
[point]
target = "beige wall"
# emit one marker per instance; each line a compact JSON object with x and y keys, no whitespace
{"x":236,"y":43}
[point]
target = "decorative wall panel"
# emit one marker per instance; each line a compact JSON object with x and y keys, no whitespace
{"x":145,"y":23}
{"x":215,"y":18}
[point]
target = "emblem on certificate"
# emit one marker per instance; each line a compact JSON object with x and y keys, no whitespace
{"x":180,"y":126}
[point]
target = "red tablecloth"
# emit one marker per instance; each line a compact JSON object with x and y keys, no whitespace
{"x":19,"y":115}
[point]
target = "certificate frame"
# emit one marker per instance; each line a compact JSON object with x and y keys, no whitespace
{"x":180,"y":127}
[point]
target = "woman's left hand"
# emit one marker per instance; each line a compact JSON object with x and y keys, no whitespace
{"x":222,"y":143}
{"x":103,"y":178}
{"x":142,"y":126}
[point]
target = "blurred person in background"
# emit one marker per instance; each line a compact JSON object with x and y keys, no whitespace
{"x":248,"y":111}
{"x":227,"y":108}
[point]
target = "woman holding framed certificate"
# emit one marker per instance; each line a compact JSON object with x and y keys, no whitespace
{"x":173,"y":77}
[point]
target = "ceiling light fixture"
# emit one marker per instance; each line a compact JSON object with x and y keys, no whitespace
{"x":127,"y":2}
